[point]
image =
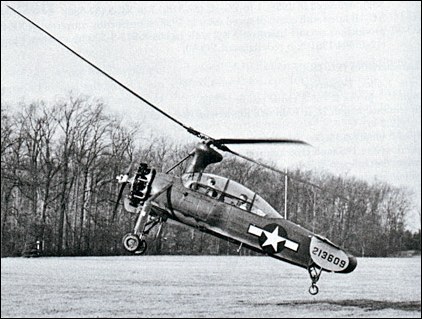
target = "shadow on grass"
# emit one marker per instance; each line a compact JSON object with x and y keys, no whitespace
{"x":368,"y":305}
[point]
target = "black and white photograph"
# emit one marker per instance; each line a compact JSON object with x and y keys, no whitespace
{"x":210,"y":159}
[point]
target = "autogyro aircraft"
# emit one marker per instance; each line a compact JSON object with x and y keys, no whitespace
{"x":218,"y":205}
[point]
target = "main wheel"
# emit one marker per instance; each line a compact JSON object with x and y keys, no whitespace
{"x":131,"y":242}
{"x":142,"y":247}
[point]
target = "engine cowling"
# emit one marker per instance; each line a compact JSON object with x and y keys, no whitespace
{"x":140,"y":187}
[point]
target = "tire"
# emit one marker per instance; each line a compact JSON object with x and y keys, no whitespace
{"x":142,"y":247}
{"x":131,"y":242}
{"x":313,"y":290}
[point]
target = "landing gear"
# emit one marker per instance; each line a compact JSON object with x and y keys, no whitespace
{"x":134,"y":244}
{"x":313,"y":289}
{"x":314,"y":273}
{"x":142,"y":248}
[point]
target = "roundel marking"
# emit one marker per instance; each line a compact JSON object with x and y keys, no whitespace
{"x":273,"y":238}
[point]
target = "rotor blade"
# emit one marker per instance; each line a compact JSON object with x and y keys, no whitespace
{"x":284,"y":173}
{"x":189,"y":129}
{"x":257,"y":141}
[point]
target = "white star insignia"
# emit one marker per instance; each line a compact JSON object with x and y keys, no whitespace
{"x":273,"y":239}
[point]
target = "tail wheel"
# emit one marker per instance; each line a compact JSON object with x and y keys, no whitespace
{"x":131,"y":242}
{"x":314,"y":273}
{"x":313,"y":289}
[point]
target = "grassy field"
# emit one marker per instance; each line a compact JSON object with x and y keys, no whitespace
{"x":204,"y":286}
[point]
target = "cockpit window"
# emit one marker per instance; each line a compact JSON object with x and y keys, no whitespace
{"x":230,"y":192}
{"x":260,"y":207}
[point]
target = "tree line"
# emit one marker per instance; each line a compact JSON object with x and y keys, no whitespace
{"x":58,"y":168}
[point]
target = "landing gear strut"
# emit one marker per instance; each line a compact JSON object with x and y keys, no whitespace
{"x":314,"y":273}
{"x":135,"y":242}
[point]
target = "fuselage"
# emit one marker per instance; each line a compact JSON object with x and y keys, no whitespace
{"x":215,"y":209}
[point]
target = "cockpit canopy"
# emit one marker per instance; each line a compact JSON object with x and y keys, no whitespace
{"x":230,"y":192}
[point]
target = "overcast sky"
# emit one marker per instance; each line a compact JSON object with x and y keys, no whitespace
{"x":345,"y":77}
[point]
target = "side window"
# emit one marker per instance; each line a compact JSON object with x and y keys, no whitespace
{"x":235,"y":201}
{"x":204,"y":184}
{"x":262,"y":208}
{"x":204,"y":189}
{"x":243,"y":202}
{"x":257,"y":211}
{"x":211,"y":188}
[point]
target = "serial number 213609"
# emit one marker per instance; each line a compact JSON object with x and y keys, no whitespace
{"x":329,"y":257}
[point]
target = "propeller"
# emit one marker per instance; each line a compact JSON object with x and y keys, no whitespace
{"x":124,"y":180}
{"x":218,"y":143}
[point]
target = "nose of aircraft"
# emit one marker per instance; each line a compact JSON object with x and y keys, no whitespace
{"x":352,"y":265}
